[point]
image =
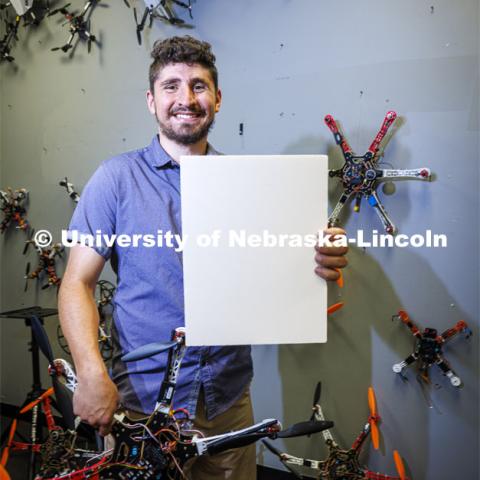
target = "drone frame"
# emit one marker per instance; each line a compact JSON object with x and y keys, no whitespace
{"x":360,"y":175}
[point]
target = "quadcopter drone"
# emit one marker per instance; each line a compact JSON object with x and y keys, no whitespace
{"x":360,"y":174}
{"x":163,"y":11}
{"x":104,"y":292}
{"x":72,"y":193}
{"x":428,"y":350}
{"x":79,"y":24}
{"x":46,"y":262}
{"x":155,"y":447}
{"x":11,"y":30}
{"x":12,"y":206}
{"x":342,"y":464}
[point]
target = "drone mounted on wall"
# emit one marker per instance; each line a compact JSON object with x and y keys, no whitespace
{"x":78,"y":24}
{"x":164,"y":11}
{"x":70,"y":187}
{"x":360,"y":174}
{"x":428,"y":351}
{"x":13,"y":207}
{"x":46,"y":262}
{"x":6,"y":43}
{"x":342,"y":464}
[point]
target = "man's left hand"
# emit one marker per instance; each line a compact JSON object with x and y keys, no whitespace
{"x":328,"y":259}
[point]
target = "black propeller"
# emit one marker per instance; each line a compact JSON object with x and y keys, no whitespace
{"x":27,"y":271}
{"x":304,"y":428}
{"x":28,"y":241}
{"x":149,"y":350}
{"x":316,"y":399}
{"x":62,"y":394}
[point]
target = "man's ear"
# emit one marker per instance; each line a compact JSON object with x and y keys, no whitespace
{"x":150,"y":102}
{"x":218,"y":100}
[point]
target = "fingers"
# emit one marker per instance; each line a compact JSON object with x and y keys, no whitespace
{"x":327,"y":274}
{"x":329,"y":257}
{"x":331,"y":261}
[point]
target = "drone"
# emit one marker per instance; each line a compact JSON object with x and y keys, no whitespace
{"x":342,"y":464}
{"x":12,"y":206}
{"x":163,"y":11}
{"x":360,"y":175}
{"x":46,"y":262}
{"x":8,"y":38}
{"x":104,"y":292}
{"x":428,"y":350}
{"x":154,"y":447}
{"x":70,"y":189}
{"x":78,"y":25}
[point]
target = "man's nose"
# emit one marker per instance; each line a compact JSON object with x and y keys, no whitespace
{"x":186,"y":96}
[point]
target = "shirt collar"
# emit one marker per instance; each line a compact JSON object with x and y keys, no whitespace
{"x":159,"y":158}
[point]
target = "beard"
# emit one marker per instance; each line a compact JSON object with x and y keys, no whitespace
{"x":186,"y":134}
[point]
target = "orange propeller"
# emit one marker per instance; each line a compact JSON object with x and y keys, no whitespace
{"x":4,"y":474}
{"x":335,"y":307}
{"x":6,"y":450}
{"x":373,"y":418}
{"x":340,"y":278}
{"x":399,"y":464}
{"x":28,"y":407}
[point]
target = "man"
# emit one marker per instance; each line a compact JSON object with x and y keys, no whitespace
{"x":138,"y":193}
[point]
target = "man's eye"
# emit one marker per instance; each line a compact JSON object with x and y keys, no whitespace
{"x":199,"y":87}
{"x":170,"y":88}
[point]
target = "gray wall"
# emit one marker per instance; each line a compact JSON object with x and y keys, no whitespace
{"x":283,"y":65}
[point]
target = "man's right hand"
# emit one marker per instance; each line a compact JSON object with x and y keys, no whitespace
{"x":95,"y":401}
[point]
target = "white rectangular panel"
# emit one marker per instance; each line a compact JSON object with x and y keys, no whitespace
{"x":241,"y":289}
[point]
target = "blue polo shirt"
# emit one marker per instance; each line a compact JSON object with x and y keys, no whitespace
{"x":138,"y":193}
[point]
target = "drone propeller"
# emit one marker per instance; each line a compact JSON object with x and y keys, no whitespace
{"x":149,"y":350}
{"x":279,"y":455}
{"x":340,"y":278}
{"x":27,"y":271}
{"x":316,"y":399}
{"x":305,"y":428}
{"x":28,"y":241}
{"x":399,"y":465}
{"x":373,"y":418}
{"x":126,"y":2}
{"x":61,"y":9}
{"x":62,"y":394}
{"x":333,"y":308}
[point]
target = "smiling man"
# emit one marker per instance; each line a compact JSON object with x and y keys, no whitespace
{"x":139,"y":193}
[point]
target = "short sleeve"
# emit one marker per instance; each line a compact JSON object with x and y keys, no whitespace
{"x":95,"y":214}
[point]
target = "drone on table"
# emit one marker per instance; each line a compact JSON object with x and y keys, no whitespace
{"x":72,"y":193}
{"x":157,"y":446}
{"x":342,"y":464}
{"x":13,"y":208}
{"x":79,"y":24}
{"x":428,"y":350}
{"x":46,"y":262}
{"x":360,"y":174}
{"x":11,"y":30}
{"x":163,"y":11}
{"x":104,"y":292}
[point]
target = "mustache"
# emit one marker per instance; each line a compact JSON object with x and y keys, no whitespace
{"x":194,"y":111}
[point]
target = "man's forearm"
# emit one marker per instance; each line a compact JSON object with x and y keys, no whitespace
{"x":79,"y":320}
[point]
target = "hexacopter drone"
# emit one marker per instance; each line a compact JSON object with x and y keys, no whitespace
{"x":360,"y":174}
{"x":155,"y":447}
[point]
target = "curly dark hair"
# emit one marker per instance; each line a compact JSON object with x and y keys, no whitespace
{"x":184,"y":49}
